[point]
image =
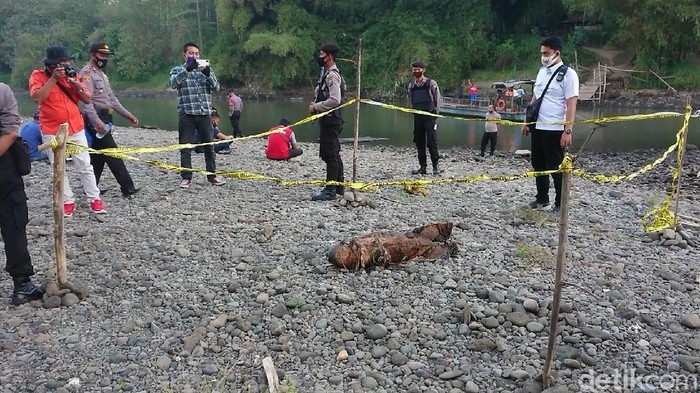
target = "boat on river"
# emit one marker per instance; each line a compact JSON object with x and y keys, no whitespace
{"x":502,"y":97}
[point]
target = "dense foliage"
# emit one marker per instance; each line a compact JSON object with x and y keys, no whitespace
{"x":270,"y":44}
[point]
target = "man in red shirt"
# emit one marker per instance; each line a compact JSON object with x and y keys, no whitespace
{"x":56,"y":90}
{"x":281,"y":144}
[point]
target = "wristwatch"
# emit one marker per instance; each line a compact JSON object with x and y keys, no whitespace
{"x":567,"y":131}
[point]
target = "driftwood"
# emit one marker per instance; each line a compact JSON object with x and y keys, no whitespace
{"x":381,"y":248}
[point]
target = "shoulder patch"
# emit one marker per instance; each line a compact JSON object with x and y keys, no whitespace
{"x":85,"y":78}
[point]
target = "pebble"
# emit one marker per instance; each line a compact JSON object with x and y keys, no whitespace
{"x":168,"y":310}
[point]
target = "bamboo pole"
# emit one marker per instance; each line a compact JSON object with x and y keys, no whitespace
{"x":59,"y":168}
{"x":358,"y":80}
{"x":273,"y":382}
{"x":559,"y":276}
{"x":684,"y":139}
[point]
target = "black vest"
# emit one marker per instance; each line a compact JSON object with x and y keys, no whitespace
{"x":421,"y":98}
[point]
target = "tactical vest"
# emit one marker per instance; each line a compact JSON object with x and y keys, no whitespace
{"x":421,"y":97}
{"x":322,"y":92}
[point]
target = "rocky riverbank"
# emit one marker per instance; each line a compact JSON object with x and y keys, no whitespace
{"x":191,"y":288}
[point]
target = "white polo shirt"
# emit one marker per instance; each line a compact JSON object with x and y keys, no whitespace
{"x":554,"y":102}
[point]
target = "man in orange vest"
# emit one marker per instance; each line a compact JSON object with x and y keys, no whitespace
{"x":281,"y":144}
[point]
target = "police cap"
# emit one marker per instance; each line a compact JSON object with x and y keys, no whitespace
{"x":418,"y":64}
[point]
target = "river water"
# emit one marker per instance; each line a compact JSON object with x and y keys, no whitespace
{"x":260,"y":115}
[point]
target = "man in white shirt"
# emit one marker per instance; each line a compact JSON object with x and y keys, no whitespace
{"x":558,"y":106}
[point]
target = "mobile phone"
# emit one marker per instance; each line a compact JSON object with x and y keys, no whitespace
{"x":203,"y":62}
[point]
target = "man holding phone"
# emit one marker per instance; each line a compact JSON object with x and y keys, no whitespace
{"x":194,"y":81}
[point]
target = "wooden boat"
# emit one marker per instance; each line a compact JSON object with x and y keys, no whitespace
{"x":502,"y":97}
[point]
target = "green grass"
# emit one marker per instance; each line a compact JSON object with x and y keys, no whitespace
{"x":535,"y":255}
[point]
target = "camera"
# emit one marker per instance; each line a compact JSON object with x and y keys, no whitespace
{"x":70,"y":71}
{"x":203,"y":63}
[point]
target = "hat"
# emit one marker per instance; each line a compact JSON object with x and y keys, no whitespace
{"x":57,"y":54}
{"x":418,"y":64}
{"x":330,"y":48}
{"x":284,"y":121}
{"x":101,"y":47}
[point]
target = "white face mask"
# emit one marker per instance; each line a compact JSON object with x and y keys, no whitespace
{"x":547,"y":61}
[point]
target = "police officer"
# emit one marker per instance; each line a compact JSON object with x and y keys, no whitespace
{"x":424,"y":95}
{"x":327,"y":97}
{"x":13,"y":205}
{"x":98,"y":115}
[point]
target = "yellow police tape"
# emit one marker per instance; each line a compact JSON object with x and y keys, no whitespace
{"x":662,"y":216}
{"x":608,"y":119}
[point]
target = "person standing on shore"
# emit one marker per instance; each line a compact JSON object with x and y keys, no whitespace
{"x":235,"y":107}
{"x":472,"y":92}
{"x":424,"y":95}
{"x":98,"y":118}
{"x":328,"y":95}
{"x":490,"y":131}
{"x":194,"y":83}
{"x":14,"y":214}
{"x":558,"y":105}
{"x":56,"y":90}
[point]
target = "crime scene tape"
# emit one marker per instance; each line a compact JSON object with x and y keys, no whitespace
{"x":607,"y":119}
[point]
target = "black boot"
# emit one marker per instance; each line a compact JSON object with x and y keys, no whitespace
{"x":420,"y":171}
{"x":436,"y":169}
{"x":325,"y":194}
{"x":340,"y":190}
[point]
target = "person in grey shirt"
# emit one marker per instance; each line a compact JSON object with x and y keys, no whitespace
{"x":98,"y":117}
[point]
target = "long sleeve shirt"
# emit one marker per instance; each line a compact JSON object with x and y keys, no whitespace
{"x":57,"y":107}
{"x":331,"y":90}
{"x":97,"y":84}
{"x":193,"y":90}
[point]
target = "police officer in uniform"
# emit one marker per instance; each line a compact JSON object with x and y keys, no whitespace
{"x":99,"y":112}
{"x":424,"y":95}
{"x":328,"y":96}
{"x":14,"y":214}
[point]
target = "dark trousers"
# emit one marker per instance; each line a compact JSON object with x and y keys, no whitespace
{"x":98,"y":161}
{"x":14,"y":217}
{"x":235,"y":124}
{"x":489,"y":137}
{"x":188,"y":126}
{"x":329,"y":148}
{"x":424,"y":133}
{"x":547,"y":154}
{"x":297,"y":152}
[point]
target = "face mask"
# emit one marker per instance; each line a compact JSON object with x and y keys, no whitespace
{"x":321,"y":61}
{"x":546,"y":61}
{"x":189,"y":59}
{"x":102,"y":63}
{"x":417,"y":74}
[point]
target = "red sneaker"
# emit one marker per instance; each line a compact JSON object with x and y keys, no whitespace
{"x":97,"y":207}
{"x":68,"y":209}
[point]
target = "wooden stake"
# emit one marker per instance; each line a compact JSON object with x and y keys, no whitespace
{"x":559,"y":279}
{"x":684,"y":139}
{"x":358,"y":80}
{"x":273,"y":382}
{"x":59,"y":167}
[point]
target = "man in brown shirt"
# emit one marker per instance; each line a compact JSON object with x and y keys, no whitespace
{"x":98,"y":116}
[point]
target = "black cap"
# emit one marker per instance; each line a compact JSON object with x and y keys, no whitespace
{"x":101,"y":47}
{"x":284,"y":121}
{"x":57,"y":54}
{"x":418,"y":64}
{"x":330,"y":48}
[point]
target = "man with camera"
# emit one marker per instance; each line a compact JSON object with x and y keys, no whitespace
{"x":194,"y":81}
{"x":98,"y":117}
{"x":14,"y":214}
{"x":56,"y":90}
